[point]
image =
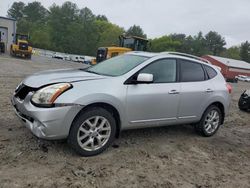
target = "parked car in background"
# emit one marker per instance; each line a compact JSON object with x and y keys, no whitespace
{"x":57,"y":56}
{"x":247,"y":79}
{"x":90,"y":107}
{"x":67,"y":58}
{"x":244,"y":101}
{"x":79,"y":59}
{"x":243,"y":78}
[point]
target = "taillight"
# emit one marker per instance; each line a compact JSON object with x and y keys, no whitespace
{"x":229,"y":88}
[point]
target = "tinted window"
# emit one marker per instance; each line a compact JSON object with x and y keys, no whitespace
{"x":210,"y":71}
{"x":163,"y":70}
{"x":191,"y":72}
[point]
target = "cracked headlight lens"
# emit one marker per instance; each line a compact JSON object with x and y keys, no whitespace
{"x":47,"y":95}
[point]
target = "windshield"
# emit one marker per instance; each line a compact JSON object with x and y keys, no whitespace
{"x":129,"y":43}
{"x":118,"y":65}
{"x":22,"y":37}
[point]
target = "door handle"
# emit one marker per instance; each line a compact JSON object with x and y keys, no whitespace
{"x":173,"y":92}
{"x":209,"y":90}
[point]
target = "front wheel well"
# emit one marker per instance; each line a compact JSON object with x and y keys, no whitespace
{"x":110,"y":109}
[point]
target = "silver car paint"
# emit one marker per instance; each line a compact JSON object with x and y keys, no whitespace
{"x":49,"y":123}
{"x":140,"y":105}
{"x":55,"y":76}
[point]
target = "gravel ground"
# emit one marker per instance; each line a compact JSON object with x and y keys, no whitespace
{"x":173,"y":156}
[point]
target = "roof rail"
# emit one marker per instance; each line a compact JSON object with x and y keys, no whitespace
{"x":187,"y":55}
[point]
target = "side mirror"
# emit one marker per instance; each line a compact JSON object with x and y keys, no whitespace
{"x":145,"y":78}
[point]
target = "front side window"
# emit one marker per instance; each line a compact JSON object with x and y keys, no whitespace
{"x":164,"y":70}
{"x":191,"y":71}
{"x":118,"y":65}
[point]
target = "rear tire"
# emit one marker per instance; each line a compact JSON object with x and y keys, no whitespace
{"x":92,"y":131}
{"x":210,"y":121}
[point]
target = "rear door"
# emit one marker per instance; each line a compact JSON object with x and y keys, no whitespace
{"x":196,"y":91}
{"x":157,"y":102}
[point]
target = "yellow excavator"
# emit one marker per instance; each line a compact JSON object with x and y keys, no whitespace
{"x":126,"y":44}
{"x":21,"y":46}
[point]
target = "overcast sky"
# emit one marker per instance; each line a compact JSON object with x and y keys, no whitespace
{"x":230,"y":18}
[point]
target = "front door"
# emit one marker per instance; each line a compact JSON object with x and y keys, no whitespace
{"x":157,"y":102}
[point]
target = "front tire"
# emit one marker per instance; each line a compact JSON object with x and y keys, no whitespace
{"x":210,"y":121}
{"x":92,"y":131}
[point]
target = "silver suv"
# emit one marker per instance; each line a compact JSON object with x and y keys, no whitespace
{"x":90,"y":107}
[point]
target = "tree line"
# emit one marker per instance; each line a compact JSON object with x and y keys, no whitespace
{"x":68,"y":29}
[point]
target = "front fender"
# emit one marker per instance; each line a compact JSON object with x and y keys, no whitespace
{"x":118,"y":104}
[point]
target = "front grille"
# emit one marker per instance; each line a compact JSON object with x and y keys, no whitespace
{"x":23,"y":46}
{"x":22,"y":91}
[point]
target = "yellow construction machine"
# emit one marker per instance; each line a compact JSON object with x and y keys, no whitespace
{"x":126,"y":44}
{"x":21,"y":46}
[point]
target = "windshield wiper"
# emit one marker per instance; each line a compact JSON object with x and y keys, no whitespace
{"x":92,"y":72}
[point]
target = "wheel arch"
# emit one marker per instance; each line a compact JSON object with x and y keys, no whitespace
{"x":108,"y":107}
{"x":221,"y":107}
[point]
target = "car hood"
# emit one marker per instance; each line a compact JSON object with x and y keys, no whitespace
{"x":58,"y":76}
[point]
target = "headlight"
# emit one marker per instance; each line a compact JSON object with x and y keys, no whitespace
{"x":47,"y":95}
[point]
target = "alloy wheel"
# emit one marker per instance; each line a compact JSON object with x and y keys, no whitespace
{"x":94,"y":133}
{"x":212,"y":121}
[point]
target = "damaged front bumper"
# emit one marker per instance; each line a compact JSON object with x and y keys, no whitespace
{"x":47,"y":123}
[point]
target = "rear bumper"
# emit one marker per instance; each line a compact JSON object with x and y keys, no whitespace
{"x":47,"y":123}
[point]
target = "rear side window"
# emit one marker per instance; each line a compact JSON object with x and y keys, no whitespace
{"x":191,"y":72}
{"x":210,"y":72}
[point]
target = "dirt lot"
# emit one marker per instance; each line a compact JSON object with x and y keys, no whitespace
{"x":161,"y":157}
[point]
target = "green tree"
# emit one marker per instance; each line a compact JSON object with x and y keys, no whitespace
{"x":165,"y":43}
{"x":40,"y":37}
{"x":214,"y":42}
{"x":136,"y":30}
{"x":232,"y":52}
{"x":183,"y":40}
{"x":24,"y":26}
{"x":89,"y":33}
{"x":199,"y":45}
{"x":35,"y":12}
{"x":86,"y":16}
{"x":60,"y":21}
{"x":102,"y":18}
{"x":16,"y":10}
{"x":245,"y":51}
{"x":178,"y":36}
{"x":108,"y":33}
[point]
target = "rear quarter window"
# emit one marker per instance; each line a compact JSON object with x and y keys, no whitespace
{"x":210,"y":71}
